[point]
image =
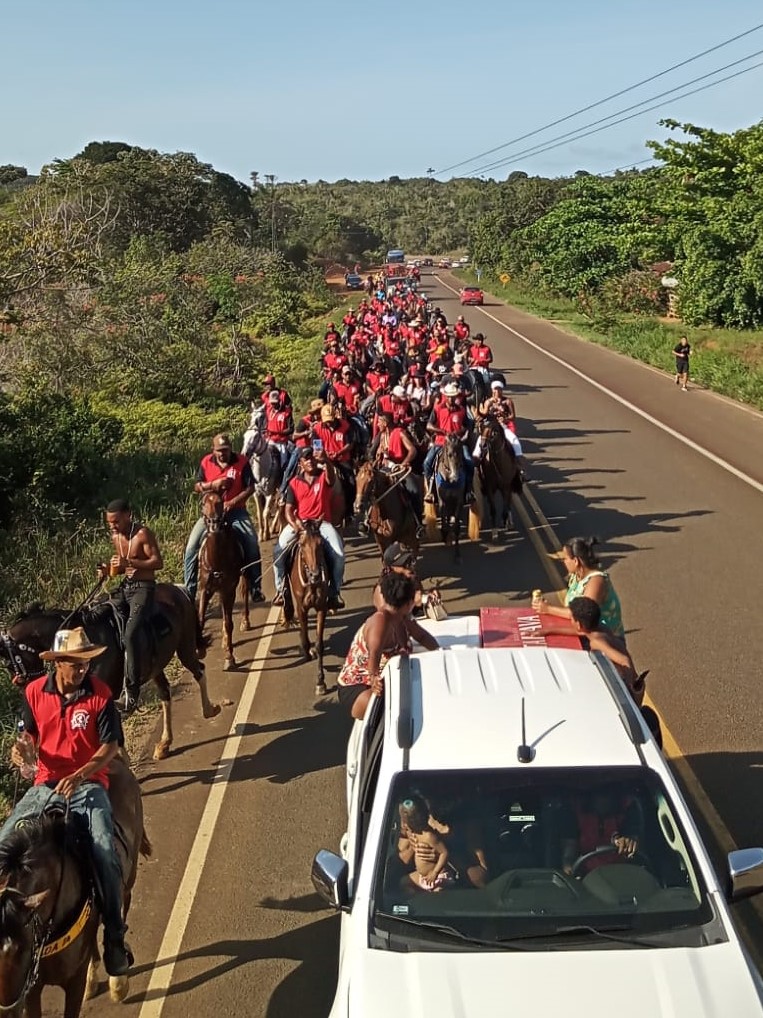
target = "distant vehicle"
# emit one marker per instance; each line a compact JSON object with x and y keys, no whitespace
{"x":396,"y":256}
{"x":428,"y":263}
{"x":354,"y":281}
{"x":444,"y":263}
{"x":471,"y":295}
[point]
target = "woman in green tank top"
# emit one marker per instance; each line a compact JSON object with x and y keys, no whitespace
{"x":587,"y":579}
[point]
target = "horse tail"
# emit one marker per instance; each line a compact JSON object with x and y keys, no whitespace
{"x":146,"y":848}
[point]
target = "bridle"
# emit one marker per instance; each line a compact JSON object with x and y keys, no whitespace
{"x":13,"y":652}
{"x":311,"y":577}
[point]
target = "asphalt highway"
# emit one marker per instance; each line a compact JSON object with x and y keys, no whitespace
{"x":224,"y":920}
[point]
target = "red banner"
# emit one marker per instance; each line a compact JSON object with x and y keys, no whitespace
{"x":522,"y":627}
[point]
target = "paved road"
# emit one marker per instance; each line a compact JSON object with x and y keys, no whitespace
{"x":246,"y":935}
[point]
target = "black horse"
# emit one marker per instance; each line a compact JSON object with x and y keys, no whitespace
{"x":172,"y":629}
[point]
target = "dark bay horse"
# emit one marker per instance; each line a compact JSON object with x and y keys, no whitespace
{"x":48,"y":914}
{"x":390,"y":517}
{"x":308,"y":590}
{"x":450,"y":484}
{"x":176,"y":631}
{"x":220,"y":562}
{"x":498,"y":472}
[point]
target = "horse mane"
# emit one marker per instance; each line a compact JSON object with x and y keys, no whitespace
{"x":24,"y":848}
{"x":33,"y":608}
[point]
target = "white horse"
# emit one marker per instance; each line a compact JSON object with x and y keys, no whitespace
{"x":267,"y":469}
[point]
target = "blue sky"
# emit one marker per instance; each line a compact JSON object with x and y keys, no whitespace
{"x":325,"y":89}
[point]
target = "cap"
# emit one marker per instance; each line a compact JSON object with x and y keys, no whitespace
{"x":327,"y":412}
{"x":399,"y":555}
{"x":72,"y":643}
{"x":306,"y":453}
{"x":399,"y":392}
{"x":221,"y":442}
{"x":274,"y":396}
{"x":496,"y":384}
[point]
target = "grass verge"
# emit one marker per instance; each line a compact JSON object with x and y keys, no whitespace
{"x":728,"y":361}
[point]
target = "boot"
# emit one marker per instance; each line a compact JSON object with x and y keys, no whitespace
{"x":117,"y":957}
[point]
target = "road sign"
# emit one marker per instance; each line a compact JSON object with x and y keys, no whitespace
{"x":504,"y":278}
{"x":478,"y":273}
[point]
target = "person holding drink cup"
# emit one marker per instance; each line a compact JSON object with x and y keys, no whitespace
{"x":136,"y":557}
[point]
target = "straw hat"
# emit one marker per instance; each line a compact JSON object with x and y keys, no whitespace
{"x":72,"y":643}
{"x":451,"y":389}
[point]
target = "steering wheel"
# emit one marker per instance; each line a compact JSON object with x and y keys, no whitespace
{"x":638,"y":857}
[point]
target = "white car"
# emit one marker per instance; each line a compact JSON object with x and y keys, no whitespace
{"x":517,"y":844}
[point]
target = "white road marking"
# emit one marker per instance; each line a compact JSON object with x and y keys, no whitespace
{"x":164,"y":967}
{"x":724,"y":464}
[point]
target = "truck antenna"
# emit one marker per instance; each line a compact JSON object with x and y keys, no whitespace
{"x":525,"y":753}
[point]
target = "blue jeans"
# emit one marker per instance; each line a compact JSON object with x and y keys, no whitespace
{"x":241,"y":523}
{"x":431,"y":456}
{"x":290,"y":471}
{"x":332,"y":542}
{"x":90,"y":801}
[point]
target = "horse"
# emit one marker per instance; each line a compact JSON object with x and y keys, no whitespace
{"x":478,"y":382}
{"x":498,"y":472}
{"x":220,"y":564}
{"x":450,"y":483}
{"x":268,"y":473}
{"x":308,"y":589}
{"x":174,"y":629}
{"x":390,"y":517}
{"x":48,"y":915}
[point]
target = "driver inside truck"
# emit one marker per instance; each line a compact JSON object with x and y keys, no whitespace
{"x":605,"y":818}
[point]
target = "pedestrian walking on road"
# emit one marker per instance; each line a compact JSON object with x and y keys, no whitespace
{"x":682,"y":351}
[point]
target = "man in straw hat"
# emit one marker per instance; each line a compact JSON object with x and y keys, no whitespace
{"x":448,"y":417}
{"x":71,"y":718}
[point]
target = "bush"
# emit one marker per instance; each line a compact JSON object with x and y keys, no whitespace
{"x":154,"y":426}
{"x":636,"y":292}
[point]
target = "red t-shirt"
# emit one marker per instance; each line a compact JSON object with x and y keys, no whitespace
{"x":333,"y":362}
{"x":238,"y":471}
{"x":279,"y":424}
{"x":311,"y":499}
{"x":68,"y":734}
{"x":450,"y":420}
{"x":480,"y":355}
{"x":336,"y":442}
{"x":396,"y":450}
{"x":349,"y":393}
{"x":377,"y":380}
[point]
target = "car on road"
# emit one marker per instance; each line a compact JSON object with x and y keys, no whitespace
{"x":471,"y":295}
{"x":500,"y":859}
{"x":353,"y":281}
{"x":428,"y":263}
{"x":444,"y":263}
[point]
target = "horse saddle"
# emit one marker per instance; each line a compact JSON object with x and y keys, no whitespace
{"x":156,"y":625}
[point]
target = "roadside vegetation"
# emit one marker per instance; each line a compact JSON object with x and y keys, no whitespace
{"x":140,"y":307}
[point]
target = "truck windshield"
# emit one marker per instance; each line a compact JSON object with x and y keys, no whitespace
{"x":511,"y":854}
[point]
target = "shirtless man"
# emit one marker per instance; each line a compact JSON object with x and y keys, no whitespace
{"x":137,"y":557}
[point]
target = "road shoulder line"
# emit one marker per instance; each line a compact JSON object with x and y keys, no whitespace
{"x":169,"y":950}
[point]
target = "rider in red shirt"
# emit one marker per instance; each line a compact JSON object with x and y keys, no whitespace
{"x":461,"y":330}
{"x":334,"y":359}
{"x":331,"y":334}
{"x":448,"y":418}
{"x":480,"y":355}
{"x":309,"y":498}
{"x":348,"y":390}
{"x":279,"y":424}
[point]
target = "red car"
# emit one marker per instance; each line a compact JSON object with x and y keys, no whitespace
{"x":471,"y":295}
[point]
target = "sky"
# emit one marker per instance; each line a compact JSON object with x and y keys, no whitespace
{"x":321,"y":89}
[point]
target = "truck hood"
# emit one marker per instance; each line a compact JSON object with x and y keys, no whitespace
{"x":707,"y":982}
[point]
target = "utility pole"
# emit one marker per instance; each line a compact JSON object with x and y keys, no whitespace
{"x":271,"y":180}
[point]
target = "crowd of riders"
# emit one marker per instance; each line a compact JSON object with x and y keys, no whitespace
{"x":398,"y":379}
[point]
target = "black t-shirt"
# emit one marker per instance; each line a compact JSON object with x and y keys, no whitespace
{"x":679,"y":350}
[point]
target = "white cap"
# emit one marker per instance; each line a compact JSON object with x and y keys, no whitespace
{"x":496,"y":384}
{"x":399,"y":391}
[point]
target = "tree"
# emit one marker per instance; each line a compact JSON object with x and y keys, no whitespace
{"x":100,"y":152}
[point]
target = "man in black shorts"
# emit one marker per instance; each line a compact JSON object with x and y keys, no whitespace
{"x":682,"y":350}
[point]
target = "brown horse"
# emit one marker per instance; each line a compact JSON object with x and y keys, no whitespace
{"x":308,"y":590}
{"x":48,"y":916}
{"x":390,"y":517}
{"x":176,"y":631}
{"x":498,"y":472}
{"x":220,"y":564}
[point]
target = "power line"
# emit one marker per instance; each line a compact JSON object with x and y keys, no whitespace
{"x":600,"y":102}
{"x":618,"y":113}
{"x":630,"y":166}
{"x":622,"y":120}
